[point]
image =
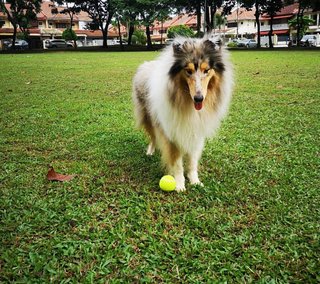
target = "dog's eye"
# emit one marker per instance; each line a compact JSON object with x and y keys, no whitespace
{"x":189,"y":72}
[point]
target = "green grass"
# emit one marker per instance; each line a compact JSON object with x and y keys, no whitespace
{"x":256,"y":219}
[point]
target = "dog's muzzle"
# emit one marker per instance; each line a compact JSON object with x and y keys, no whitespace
{"x":198,"y":99}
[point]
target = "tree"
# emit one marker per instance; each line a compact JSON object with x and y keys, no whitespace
{"x":129,"y":14}
{"x":271,"y":9}
{"x":210,"y":7}
{"x":303,"y":5}
{"x":139,"y":37}
{"x":149,"y":11}
{"x":181,"y":30}
{"x":69,"y":34}
{"x":304,"y":22}
{"x":219,"y":21}
{"x":259,"y":6}
{"x":101,"y":13}
{"x":70,"y":8}
{"x":20,"y":13}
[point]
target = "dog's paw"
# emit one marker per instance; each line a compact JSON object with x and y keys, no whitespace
{"x":180,"y":188}
{"x":198,"y":183}
{"x":194,"y":180}
{"x":150,"y":149}
{"x":180,"y":183}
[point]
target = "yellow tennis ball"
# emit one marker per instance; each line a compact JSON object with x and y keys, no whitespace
{"x":167,"y":183}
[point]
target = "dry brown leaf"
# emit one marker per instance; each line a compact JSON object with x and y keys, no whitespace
{"x":53,"y":176}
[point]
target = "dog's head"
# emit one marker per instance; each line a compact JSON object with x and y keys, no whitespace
{"x":199,"y":64}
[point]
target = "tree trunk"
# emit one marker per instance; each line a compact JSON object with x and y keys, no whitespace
{"x":131,"y":31}
{"x":257,"y":16}
{"x":119,"y":31}
{"x":213,"y":18}
{"x":299,"y":23}
{"x":149,"y":43}
{"x":198,"y":11}
{"x":270,"y":32}
{"x":207,"y":17}
{"x":71,"y":23}
{"x":105,"y":38}
{"x":105,"y":30}
{"x":14,"y":37}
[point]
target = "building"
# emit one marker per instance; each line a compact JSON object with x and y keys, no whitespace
{"x":51,"y":25}
{"x":159,"y":29}
{"x":281,"y":34}
{"x":241,"y":23}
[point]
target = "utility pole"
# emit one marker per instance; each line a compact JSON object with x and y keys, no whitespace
{"x":205,"y":16}
{"x":237,"y":19}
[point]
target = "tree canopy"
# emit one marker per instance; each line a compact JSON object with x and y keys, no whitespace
{"x":20,"y":13}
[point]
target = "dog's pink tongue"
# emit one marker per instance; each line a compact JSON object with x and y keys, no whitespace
{"x":198,"y":106}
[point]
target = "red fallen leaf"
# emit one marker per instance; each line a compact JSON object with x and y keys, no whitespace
{"x":53,"y":176}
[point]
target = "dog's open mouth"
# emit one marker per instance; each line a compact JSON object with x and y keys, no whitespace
{"x":198,"y":105}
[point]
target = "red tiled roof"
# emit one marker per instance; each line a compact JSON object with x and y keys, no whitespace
{"x":181,"y":19}
{"x":6,"y":31}
{"x":289,"y":10}
{"x":285,"y":12}
{"x":243,"y":14}
{"x":46,"y":11}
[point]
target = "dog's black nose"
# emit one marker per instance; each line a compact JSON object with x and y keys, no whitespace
{"x":198,"y":98}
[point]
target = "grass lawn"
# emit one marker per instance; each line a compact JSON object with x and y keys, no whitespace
{"x":256,"y":220}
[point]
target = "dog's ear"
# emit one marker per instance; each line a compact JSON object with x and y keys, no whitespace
{"x":177,"y":50}
{"x":209,"y":45}
{"x":213,"y":44}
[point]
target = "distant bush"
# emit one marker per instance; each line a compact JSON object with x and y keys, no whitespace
{"x":69,"y":34}
{"x":232,"y":44}
{"x":181,"y":30}
{"x":139,"y":37}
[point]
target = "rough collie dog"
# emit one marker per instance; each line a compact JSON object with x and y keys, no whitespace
{"x":180,"y":99}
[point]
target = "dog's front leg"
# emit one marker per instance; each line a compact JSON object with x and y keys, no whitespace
{"x":177,"y":171}
{"x":172,"y":160}
{"x":193,"y":167}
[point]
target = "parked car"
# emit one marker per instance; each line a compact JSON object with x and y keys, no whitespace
{"x":308,"y":40}
{"x":56,"y":43}
{"x":19,"y":44}
{"x":169,"y":41}
{"x":248,"y":43}
{"x":117,"y":42}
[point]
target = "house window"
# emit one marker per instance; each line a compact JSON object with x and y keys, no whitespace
{"x":51,"y":25}
{"x":2,"y":23}
{"x":61,"y":25}
{"x":40,"y":24}
{"x":231,"y":25}
{"x":241,"y":23}
{"x":262,"y":24}
{"x":163,"y":31}
{"x":314,"y":18}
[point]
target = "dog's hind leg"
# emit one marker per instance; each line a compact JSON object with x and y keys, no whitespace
{"x":147,"y":124}
{"x":150,"y":149}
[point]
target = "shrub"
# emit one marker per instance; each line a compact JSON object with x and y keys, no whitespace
{"x":139,"y":37}
{"x":232,"y":44}
{"x":69,"y":34}
{"x":181,"y":30}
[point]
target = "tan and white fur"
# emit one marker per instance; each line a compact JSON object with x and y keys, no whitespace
{"x":180,"y":99}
